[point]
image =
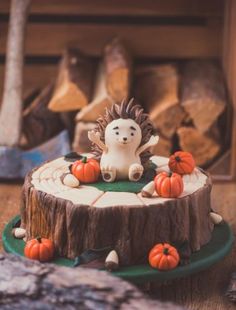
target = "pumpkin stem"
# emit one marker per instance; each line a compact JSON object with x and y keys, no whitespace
{"x":165,"y":251}
{"x":178,"y":159}
{"x":170,"y":174}
{"x":39,"y":239}
{"x":84,"y":160}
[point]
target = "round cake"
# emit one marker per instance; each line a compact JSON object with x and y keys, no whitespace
{"x":94,"y":216}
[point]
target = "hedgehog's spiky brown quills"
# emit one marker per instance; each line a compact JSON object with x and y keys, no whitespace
{"x":125,"y":110}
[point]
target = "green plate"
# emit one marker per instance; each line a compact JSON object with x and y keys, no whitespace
{"x":219,"y":246}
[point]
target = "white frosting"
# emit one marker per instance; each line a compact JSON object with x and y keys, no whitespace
{"x":154,"y":200}
{"x":47,"y":179}
{"x":112,"y":199}
{"x":86,"y":195}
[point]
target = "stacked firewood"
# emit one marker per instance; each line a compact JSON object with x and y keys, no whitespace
{"x":185,"y":101}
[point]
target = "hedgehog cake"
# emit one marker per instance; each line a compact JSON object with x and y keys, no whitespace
{"x":120,"y":198}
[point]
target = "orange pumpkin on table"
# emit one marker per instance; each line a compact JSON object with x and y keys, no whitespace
{"x":182,"y":162}
{"x":86,"y":170}
{"x":163,"y":256}
{"x":168,"y":185}
{"x":41,"y":249}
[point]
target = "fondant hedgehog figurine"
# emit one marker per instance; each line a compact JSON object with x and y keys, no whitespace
{"x":121,"y":140}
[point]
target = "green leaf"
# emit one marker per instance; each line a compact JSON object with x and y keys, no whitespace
{"x":150,"y":165}
{"x":77,"y":262}
{"x":73,"y":156}
{"x":149,"y":175}
{"x":184,"y":251}
{"x":91,"y":255}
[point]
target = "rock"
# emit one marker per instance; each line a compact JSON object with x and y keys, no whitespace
{"x":27,"y":284}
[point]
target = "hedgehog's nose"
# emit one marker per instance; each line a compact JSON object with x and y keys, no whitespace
{"x":124,"y":138}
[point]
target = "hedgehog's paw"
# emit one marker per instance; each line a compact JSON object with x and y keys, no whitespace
{"x":135,"y":172}
{"x":108,"y":173}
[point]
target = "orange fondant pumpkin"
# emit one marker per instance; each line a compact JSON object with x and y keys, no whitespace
{"x":169,"y":185}
{"x":86,"y":170}
{"x":182,"y":162}
{"x":41,"y":249}
{"x":163,"y":256}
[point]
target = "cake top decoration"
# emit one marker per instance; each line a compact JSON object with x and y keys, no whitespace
{"x":121,"y":141}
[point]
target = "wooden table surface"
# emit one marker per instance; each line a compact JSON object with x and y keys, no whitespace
{"x":202,"y":291}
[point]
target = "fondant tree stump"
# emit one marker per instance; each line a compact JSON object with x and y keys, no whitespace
{"x":28,"y":284}
{"x":77,"y":219}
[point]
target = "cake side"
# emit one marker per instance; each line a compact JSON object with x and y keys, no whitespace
{"x":131,"y":227}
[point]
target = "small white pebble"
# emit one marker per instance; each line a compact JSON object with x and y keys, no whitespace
{"x":18,"y":233}
{"x":70,"y":180}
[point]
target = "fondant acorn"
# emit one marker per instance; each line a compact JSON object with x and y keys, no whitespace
{"x":40,"y":249}
{"x":148,"y":189}
{"x":112,"y":261}
{"x":182,"y":162}
{"x":69,"y":180}
{"x":163,"y":256}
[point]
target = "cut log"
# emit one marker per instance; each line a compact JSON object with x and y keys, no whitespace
{"x":27,"y":284}
{"x":157,"y":89}
{"x":112,"y":81}
{"x":163,"y":148}
{"x":203,"y":93}
{"x":12,"y":103}
{"x":117,"y":62}
{"x":101,"y":99}
{"x":39,"y":123}
{"x":81,"y":143}
{"x":203,"y":147}
{"x":74,"y":83}
{"x":78,"y":219}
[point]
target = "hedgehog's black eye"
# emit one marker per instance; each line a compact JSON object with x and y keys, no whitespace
{"x":132,"y":134}
{"x":117,"y":133}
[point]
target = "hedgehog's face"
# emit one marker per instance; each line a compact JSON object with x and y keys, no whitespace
{"x":124,"y":133}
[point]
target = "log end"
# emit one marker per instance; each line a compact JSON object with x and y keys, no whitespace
{"x":67,"y":98}
{"x":118,"y":84}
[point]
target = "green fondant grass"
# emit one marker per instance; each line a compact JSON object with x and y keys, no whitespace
{"x":120,"y":186}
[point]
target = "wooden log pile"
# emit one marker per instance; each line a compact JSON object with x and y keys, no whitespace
{"x":39,"y":123}
{"x":203,"y":97}
{"x":73,"y":86}
{"x":185,"y":101}
{"x":112,"y":84}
